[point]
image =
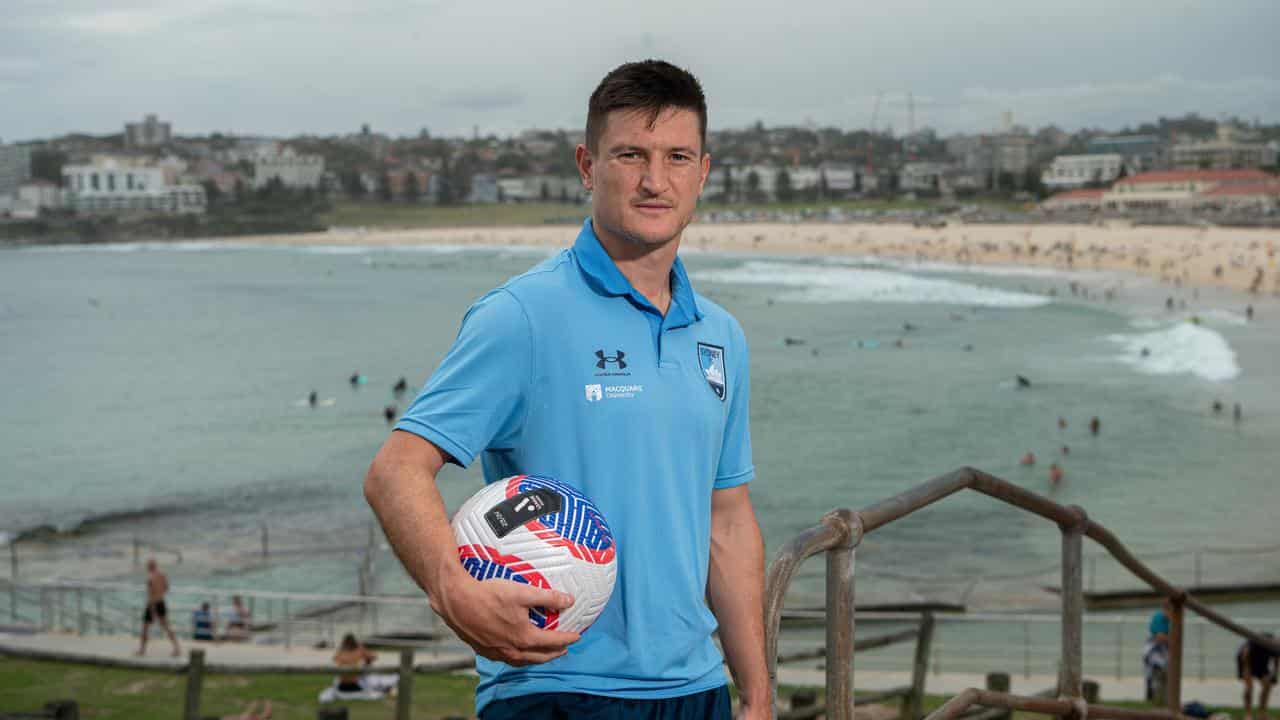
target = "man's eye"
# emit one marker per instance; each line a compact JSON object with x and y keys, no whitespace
{"x":629,"y":155}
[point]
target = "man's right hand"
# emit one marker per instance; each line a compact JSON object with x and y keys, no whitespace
{"x":493,"y":618}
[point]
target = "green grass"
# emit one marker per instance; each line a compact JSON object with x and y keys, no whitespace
{"x":26,"y":685}
{"x":399,"y":215}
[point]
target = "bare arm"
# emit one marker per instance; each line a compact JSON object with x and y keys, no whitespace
{"x":492,"y":617}
{"x":735,"y":587}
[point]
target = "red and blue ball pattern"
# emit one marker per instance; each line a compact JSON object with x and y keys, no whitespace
{"x":535,"y":553}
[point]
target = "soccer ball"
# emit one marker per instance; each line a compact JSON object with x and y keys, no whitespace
{"x":542,"y":532}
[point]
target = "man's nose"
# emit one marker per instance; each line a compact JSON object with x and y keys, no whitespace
{"x":654,"y":180}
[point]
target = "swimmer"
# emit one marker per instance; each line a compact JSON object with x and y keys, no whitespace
{"x":1028,"y":459}
{"x":1055,"y":473}
{"x":1248,"y":313}
{"x":1146,"y":352}
{"x":1023,"y":381}
{"x":312,"y":399}
{"x":389,"y":413}
{"x":400,"y":387}
{"x":1216,"y":407}
{"x":1236,"y":413}
{"x":1062,"y":423}
{"x":1095,"y":425}
{"x":1066,"y":450}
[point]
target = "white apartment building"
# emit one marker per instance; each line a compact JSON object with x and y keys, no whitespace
{"x":1067,"y":172}
{"x":293,"y":169}
{"x":111,"y":185}
{"x":923,"y":177}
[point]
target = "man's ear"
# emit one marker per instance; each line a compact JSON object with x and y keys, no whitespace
{"x":583,"y":158}
{"x":706,"y":170}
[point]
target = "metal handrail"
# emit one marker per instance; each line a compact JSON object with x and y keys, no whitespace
{"x":840,"y":532}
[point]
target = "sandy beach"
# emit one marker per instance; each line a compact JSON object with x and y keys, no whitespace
{"x":1240,"y":259}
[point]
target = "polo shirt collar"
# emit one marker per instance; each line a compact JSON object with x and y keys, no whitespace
{"x":604,"y":276}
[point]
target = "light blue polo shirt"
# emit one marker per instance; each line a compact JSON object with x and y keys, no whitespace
{"x":568,"y":371}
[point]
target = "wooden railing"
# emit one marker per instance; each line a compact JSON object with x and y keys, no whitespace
{"x":839,"y":533}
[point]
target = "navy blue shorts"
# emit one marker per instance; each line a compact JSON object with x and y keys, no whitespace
{"x":707,"y":705}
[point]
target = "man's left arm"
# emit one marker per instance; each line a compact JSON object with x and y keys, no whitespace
{"x":735,"y":589}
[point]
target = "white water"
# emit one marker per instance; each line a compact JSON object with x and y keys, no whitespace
{"x":831,"y":284}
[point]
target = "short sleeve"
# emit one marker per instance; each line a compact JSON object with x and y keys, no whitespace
{"x":476,"y":399}
{"x":735,"y":466}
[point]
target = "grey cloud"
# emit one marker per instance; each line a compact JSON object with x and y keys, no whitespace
{"x":483,"y":100}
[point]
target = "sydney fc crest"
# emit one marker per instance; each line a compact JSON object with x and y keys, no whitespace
{"x":711,"y":361}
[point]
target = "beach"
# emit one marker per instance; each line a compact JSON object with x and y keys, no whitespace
{"x":1178,"y":256}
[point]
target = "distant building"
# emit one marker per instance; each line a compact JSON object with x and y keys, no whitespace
{"x":1013,"y":153}
{"x":41,"y":194}
{"x":1074,"y":171}
{"x":398,"y":182}
{"x":1140,"y":152}
{"x":1224,"y":152}
{"x":1259,"y":196}
{"x":923,"y":177}
{"x":15,"y":167}
{"x":148,"y":133}
{"x":114,"y":186}
{"x":292,"y":169}
{"x":1174,"y":189}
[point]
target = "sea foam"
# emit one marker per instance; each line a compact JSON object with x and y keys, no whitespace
{"x":830,"y":284}
{"x":1182,"y":348}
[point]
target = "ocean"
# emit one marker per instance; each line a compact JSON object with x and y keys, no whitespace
{"x":159,"y":391}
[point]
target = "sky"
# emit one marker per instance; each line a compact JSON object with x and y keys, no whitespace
{"x":281,"y":67}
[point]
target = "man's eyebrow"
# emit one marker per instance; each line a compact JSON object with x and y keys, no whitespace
{"x":623,"y":147}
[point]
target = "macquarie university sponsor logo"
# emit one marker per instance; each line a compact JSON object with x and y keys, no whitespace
{"x":711,"y":361}
{"x":595,"y":392}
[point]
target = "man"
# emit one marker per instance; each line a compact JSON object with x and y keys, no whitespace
{"x":602,"y":367}
{"x":1155,"y":652}
{"x":202,"y":624}
{"x":157,"y":586}
{"x":1256,"y":662}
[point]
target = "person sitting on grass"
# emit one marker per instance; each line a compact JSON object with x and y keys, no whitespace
{"x":251,"y":712}
{"x":352,"y":654}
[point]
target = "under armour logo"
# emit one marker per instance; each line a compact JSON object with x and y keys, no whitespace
{"x":603,"y":360}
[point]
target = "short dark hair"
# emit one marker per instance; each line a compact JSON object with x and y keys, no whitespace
{"x":649,"y":86}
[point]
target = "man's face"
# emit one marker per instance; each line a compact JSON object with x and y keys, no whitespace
{"x":645,"y":181}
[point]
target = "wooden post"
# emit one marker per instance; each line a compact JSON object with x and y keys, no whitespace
{"x":404,"y":691}
{"x":195,"y":678}
{"x":62,"y":710}
{"x":998,"y":682}
{"x":1173,"y":679}
{"x":913,"y":705}
{"x":840,"y":631}
{"x":1070,"y":675}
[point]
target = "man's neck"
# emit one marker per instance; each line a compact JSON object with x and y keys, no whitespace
{"x":646,"y":267}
